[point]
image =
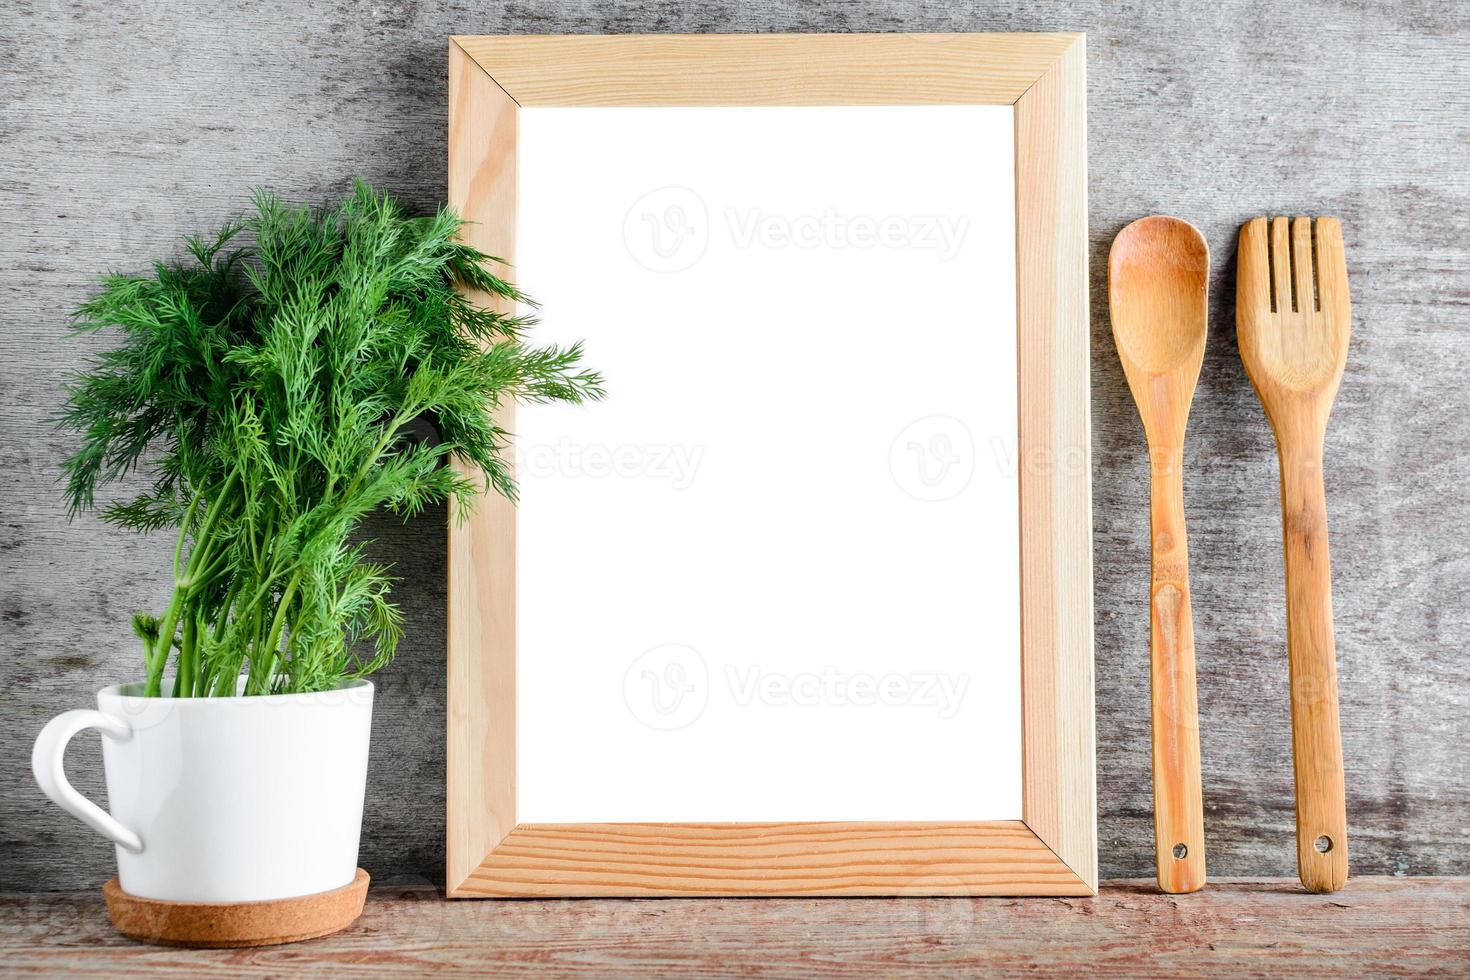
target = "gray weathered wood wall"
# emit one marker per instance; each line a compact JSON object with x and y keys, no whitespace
{"x":127,"y":124}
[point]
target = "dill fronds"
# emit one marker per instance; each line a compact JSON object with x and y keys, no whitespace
{"x":269,"y":389}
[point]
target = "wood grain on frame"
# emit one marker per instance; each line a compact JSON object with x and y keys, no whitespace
{"x":767,"y":69}
{"x":480,"y":757}
{"x":1052,"y":850}
{"x":1058,"y":782}
{"x":995,"y":858}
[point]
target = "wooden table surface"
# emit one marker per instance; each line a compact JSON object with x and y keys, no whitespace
{"x":1375,"y":927}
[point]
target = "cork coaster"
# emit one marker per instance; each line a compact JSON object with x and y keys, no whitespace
{"x":211,"y":925}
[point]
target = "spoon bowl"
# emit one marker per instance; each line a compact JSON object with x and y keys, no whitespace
{"x":1158,"y":284}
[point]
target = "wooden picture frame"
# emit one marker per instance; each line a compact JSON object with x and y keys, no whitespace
{"x":1052,"y":850}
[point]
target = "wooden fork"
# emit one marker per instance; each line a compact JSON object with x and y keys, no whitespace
{"x":1292,"y":319}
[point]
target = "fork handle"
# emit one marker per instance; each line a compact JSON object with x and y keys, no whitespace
{"x":1179,"y":827}
{"x":1321,"y":805}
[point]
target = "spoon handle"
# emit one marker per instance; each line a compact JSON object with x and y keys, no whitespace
{"x":1179,"y":830}
{"x":1316,"y":740}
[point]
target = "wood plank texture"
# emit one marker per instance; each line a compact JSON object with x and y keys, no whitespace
{"x":999,"y":858}
{"x":1377,"y":927}
{"x":791,"y":69}
{"x":130,"y":123}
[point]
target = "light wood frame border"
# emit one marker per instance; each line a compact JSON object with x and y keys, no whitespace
{"x":1052,"y":850}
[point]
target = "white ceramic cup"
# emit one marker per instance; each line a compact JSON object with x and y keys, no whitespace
{"x":237,"y":799}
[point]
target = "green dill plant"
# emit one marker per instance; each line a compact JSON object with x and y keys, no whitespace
{"x":271,"y":391}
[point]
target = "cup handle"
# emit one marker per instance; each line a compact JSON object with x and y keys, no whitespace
{"x":46,"y":763}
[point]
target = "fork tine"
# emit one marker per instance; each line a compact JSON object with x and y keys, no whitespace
{"x":1280,"y":265}
{"x":1332,"y":277}
{"x":1301,"y":257}
{"x":1253,"y":271}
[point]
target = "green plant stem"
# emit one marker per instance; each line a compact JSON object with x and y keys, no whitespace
{"x":201,"y":579}
{"x":158,"y":657}
{"x":208,"y":665}
{"x":183,"y":585}
{"x":266,"y":658}
{"x":215,"y":510}
{"x":184,"y":530}
{"x":188,"y":658}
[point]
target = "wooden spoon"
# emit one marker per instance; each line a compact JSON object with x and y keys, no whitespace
{"x":1158,"y":284}
{"x":1293,"y":318}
